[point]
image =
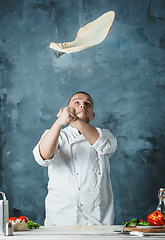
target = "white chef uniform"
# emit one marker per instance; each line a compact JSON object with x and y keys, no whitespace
{"x":79,"y":187}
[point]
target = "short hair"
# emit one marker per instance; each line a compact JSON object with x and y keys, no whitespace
{"x":82,"y":93}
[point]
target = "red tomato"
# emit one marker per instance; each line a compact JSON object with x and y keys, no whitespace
{"x":12,"y":219}
{"x":23,"y":218}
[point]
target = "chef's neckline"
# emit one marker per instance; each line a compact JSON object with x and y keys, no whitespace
{"x":73,"y":129}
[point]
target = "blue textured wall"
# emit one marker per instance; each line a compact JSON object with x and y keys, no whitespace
{"x":125,"y":75}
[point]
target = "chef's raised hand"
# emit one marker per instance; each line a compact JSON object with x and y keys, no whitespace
{"x":67,"y":115}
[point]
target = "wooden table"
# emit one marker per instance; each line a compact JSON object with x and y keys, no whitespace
{"x":77,"y":233}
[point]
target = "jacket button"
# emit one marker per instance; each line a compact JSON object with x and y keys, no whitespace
{"x":80,"y":204}
{"x":97,"y":204}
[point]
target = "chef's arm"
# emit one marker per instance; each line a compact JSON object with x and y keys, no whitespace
{"x":106,"y":144}
{"x":102,"y":141}
{"x":47,"y":145}
{"x":89,"y":132}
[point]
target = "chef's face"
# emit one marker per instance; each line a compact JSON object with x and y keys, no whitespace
{"x":83,"y":104}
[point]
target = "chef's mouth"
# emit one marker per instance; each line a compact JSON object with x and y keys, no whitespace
{"x":82,"y":111}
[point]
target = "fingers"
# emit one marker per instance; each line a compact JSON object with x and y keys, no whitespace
{"x":67,"y":113}
{"x":60,"y":112}
{"x":74,"y":119}
{"x":72,"y":112}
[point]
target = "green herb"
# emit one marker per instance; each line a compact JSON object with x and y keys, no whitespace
{"x":144,"y":224}
{"x":136,"y":222}
{"x":32,"y":224}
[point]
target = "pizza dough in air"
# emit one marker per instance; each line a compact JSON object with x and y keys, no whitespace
{"x":88,"y":36}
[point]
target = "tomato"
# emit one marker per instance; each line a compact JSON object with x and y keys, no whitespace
{"x":23,"y":218}
{"x":12,"y":219}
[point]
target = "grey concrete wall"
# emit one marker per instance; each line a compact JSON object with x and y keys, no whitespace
{"x":125,"y":75}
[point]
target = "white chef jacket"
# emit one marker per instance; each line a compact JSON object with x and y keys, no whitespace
{"x":79,"y":187}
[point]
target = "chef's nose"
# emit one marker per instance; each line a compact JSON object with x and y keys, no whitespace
{"x":83,"y":106}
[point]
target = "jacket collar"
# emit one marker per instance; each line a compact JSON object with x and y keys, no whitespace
{"x":72,"y":129}
{"x":75,"y":138}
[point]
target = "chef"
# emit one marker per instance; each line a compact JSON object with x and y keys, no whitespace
{"x":77,"y":157}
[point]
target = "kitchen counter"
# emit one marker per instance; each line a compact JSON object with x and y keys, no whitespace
{"x":77,"y":233}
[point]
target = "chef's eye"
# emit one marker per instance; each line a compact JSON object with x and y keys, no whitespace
{"x":76,"y":103}
{"x":88,"y":104}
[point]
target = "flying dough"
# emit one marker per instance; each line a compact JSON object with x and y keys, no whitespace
{"x":88,"y":36}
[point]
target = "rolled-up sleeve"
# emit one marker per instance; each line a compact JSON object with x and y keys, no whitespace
{"x":106,"y":143}
{"x":38,"y":157}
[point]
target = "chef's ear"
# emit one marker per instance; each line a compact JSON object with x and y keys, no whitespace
{"x":93,"y":115}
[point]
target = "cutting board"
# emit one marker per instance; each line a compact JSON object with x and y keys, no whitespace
{"x":160,"y":229}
